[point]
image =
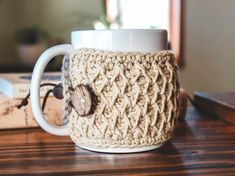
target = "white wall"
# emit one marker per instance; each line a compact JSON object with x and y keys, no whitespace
{"x":209,"y":41}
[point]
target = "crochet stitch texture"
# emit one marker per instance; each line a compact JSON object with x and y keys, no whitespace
{"x":137,"y":97}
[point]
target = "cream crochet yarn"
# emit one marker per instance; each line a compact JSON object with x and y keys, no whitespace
{"x":137,"y":97}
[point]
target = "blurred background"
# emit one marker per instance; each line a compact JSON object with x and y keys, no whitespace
{"x":206,"y":31}
{"x":28,"y":27}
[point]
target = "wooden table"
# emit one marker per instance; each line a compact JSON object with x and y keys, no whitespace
{"x":202,"y":145}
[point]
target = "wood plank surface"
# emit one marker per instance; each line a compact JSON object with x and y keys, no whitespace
{"x":202,"y":145}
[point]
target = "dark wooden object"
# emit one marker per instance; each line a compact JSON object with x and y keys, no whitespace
{"x":219,"y":104}
{"x":202,"y":145}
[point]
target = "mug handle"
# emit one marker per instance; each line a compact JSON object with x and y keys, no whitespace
{"x":43,"y":60}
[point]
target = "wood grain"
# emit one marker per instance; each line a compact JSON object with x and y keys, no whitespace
{"x":202,"y":146}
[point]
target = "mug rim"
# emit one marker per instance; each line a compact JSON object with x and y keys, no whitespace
{"x":120,"y":30}
{"x":142,"y":40}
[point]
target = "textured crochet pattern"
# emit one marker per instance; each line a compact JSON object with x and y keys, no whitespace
{"x":137,"y":95}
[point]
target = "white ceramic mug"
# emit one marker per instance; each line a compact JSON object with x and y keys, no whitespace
{"x":140,"y":40}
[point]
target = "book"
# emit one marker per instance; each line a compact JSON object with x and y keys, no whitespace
{"x":11,"y":117}
{"x":221,"y":105}
{"x":17,"y":85}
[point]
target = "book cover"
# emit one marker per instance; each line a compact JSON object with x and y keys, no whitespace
{"x":16,"y":85}
{"x":11,"y":117}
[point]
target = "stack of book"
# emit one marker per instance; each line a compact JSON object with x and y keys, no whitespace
{"x":15,"y":87}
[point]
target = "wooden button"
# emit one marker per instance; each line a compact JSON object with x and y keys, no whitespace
{"x":81,"y":100}
{"x":58,"y":91}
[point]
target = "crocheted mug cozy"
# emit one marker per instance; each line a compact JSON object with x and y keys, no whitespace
{"x":136,"y":97}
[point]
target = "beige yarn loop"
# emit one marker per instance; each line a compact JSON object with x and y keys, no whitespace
{"x":137,"y":96}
